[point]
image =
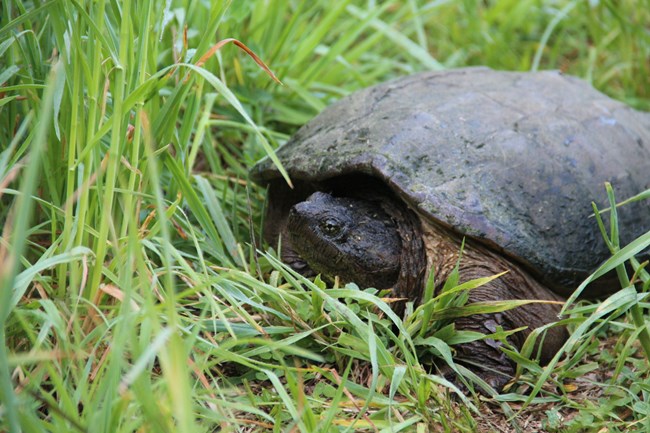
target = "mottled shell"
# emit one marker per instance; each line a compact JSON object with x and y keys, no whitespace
{"x":511,"y":159}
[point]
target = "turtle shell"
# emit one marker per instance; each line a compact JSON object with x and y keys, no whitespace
{"x":511,"y":159}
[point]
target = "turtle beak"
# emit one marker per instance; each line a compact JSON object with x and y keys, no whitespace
{"x":319,"y":198}
{"x":300,"y":215}
{"x":313,"y":205}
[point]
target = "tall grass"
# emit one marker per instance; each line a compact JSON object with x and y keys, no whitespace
{"x":133,"y":293}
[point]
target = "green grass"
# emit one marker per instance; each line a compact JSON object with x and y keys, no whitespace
{"x":135,"y":294}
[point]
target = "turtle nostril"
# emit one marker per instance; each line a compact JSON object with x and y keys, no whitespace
{"x":299,"y":208}
{"x":294,"y":214}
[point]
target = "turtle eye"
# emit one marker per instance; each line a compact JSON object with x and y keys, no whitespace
{"x":331,"y":227}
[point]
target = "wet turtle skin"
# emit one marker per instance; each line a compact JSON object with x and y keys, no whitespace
{"x":511,"y":159}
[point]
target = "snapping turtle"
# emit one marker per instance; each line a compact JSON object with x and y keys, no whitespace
{"x":391,"y":179}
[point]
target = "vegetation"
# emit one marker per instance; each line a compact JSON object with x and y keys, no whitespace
{"x":135,"y":293}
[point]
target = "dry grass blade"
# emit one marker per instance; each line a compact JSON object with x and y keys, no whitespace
{"x":216,"y":47}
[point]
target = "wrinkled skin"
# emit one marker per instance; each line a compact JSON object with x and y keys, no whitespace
{"x":484,"y":356}
{"x":363,"y":241}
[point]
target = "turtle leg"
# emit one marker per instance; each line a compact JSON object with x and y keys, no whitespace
{"x":485,"y":357}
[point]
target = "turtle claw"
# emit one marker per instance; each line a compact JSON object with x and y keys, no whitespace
{"x":485,"y":382}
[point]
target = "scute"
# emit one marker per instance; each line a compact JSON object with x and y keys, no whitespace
{"x":511,"y":159}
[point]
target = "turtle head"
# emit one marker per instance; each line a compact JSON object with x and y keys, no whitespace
{"x":352,"y":238}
